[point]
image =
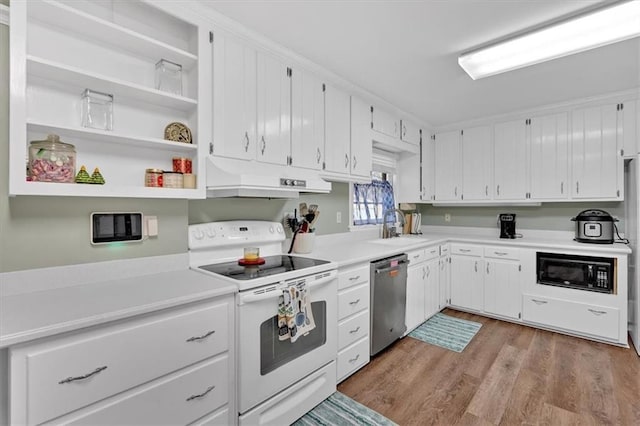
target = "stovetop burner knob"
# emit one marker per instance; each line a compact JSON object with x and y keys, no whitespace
{"x":271,"y":229}
{"x":279,"y":229}
{"x":198,"y":234}
{"x":211,"y":232}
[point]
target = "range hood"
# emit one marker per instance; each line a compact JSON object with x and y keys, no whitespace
{"x":227,"y":177}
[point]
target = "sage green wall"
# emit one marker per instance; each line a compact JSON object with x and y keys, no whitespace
{"x":263,"y":209}
{"x":553,"y":217}
{"x":51,"y":231}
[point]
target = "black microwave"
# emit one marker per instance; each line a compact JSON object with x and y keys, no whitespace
{"x":580,"y":272}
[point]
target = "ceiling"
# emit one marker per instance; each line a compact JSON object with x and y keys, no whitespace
{"x":406,"y":52}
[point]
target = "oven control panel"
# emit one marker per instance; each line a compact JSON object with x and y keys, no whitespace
{"x":241,"y":232}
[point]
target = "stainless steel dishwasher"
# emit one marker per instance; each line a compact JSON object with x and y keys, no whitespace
{"x":388,"y":301}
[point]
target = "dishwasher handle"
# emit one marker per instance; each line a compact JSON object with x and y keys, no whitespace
{"x":400,"y":262}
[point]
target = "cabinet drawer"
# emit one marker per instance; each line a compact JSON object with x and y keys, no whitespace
{"x":416,"y":256}
{"x":431,"y":252}
{"x":572,"y":316}
{"x":352,"y":358}
{"x":180,"y":399}
{"x":353,"y":277}
{"x":353,"y":300}
{"x":466,"y":250}
{"x":502,"y":253}
{"x":70,"y":372}
{"x":353,"y":329}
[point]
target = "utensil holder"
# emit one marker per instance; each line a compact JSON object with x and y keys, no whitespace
{"x":304,"y":242}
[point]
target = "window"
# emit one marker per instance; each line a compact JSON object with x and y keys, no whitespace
{"x":371,"y":200}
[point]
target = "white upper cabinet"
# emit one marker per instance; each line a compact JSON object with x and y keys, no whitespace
{"x":510,"y":160}
{"x":337,"y":146}
{"x":384,"y":122}
{"x":596,"y":160}
{"x":274,"y":110}
{"x":427,"y":171}
{"x":408,"y":188}
{"x":307,"y":109}
{"x":410,"y":132}
{"x":448,"y":167}
{"x":630,"y":127}
{"x":59,"y":49}
{"x":476,"y":163}
{"x":234,"y":99}
{"x":361,"y":149}
{"x":549,"y":156}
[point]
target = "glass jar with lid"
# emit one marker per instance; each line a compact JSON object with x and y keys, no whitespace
{"x":51,"y":160}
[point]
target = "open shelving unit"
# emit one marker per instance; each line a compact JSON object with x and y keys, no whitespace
{"x":61,"y":48}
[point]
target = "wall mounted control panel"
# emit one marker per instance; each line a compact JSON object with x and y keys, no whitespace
{"x":116,"y":227}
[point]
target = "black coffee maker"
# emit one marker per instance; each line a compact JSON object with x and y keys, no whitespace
{"x":507,"y":223}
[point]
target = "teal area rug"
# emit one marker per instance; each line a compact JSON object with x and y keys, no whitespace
{"x":339,"y":409}
{"x":446,"y":331}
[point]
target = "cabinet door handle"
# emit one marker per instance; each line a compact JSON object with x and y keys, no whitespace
{"x":428,"y":272}
{"x":487,"y":267}
{"x":354,"y":278}
{"x":562,"y":187}
{"x":246,"y":144}
{"x":476,"y":266}
{"x":318,"y":156}
{"x":352,"y":360}
{"x":355,"y":330}
{"x":355,"y":162}
{"x":209,"y":389}
{"x":455,"y":191}
{"x":404,"y":131}
{"x":486,"y":190}
{"x":355,"y":302}
{"x":346,"y":161}
{"x":598,"y":313}
{"x":539,"y":302}
{"x":84,"y":376}
{"x":498,"y":190}
{"x":264,"y":145}
{"x":424,"y":273}
{"x":204,"y":336}
{"x":577,"y":187}
{"x":415,"y":256}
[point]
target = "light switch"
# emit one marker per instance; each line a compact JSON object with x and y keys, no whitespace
{"x":152,"y":226}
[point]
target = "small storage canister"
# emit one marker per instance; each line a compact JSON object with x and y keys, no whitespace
{"x":182,"y":165}
{"x":153,"y":178}
{"x":172,"y":180}
{"x":52,"y":161}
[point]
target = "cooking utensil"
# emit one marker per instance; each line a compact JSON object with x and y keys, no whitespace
{"x":313,"y":222}
{"x":303,"y":209}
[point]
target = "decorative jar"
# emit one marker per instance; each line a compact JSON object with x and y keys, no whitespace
{"x":52,"y":161}
{"x":97,"y":110}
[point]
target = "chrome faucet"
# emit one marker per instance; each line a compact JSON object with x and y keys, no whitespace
{"x":391,"y":231}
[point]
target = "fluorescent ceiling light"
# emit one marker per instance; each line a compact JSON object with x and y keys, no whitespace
{"x":602,"y":27}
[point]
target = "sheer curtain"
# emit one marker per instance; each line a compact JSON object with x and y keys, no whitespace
{"x":371,"y":200}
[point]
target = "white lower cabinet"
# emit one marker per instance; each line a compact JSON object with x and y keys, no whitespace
{"x":423,"y":286}
{"x":115,"y":373}
{"x":583,"y":318}
{"x":353,"y":320}
{"x":414,"y":314}
{"x":432,"y":288}
{"x":467,"y":278}
{"x":502,"y":282}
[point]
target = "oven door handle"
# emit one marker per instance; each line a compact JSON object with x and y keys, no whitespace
{"x":273,"y":293}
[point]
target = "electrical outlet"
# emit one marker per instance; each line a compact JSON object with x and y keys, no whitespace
{"x":339,"y":217}
{"x":447,"y":217}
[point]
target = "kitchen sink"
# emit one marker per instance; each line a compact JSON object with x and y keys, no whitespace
{"x":398,"y":241}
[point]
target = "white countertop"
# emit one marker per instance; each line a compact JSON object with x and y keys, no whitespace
{"x":30,"y":315}
{"x":345,"y":251}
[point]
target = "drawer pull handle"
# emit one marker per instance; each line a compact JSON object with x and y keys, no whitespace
{"x":86,"y":376}
{"x":354,"y":278}
{"x":355,"y":330}
{"x":352,"y":360}
{"x":539,"y":302}
{"x":593,"y":311}
{"x":465,"y":250}
{"x":204,"y":336}
{"x":500,"y":253}
{"x":416,"y":256}
{"x":209,"y":389}
{"x":355,"y":302}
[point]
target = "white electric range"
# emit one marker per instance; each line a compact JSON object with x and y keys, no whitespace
{"x":279,"y":380}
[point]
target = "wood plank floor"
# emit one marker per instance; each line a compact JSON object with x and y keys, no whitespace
{"x":509,"y":375}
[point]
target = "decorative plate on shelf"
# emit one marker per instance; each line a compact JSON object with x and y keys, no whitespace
{"x":177,"y":132}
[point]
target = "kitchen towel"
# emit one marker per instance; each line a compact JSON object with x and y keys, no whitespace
{"x":295,"y":316}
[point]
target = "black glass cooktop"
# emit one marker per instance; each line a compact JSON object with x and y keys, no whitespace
{"x":273,"y":265}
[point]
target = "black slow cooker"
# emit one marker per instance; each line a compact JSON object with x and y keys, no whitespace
{"x":594,"y":226}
